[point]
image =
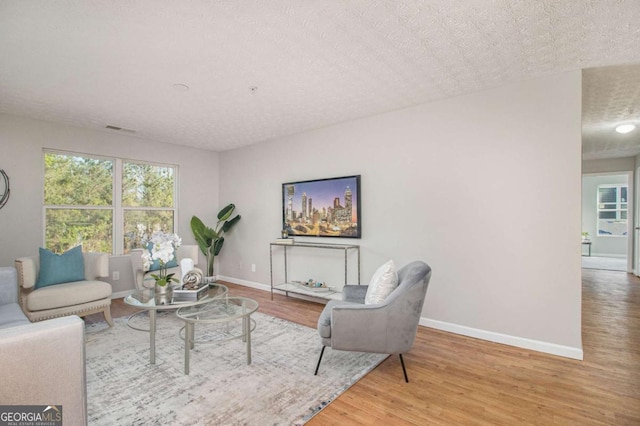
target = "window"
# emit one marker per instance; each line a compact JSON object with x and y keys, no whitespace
{"x":612,"y":210}
{"x":78,"y":198}
{"x":148,"y":201}
{"x":106,"y":205}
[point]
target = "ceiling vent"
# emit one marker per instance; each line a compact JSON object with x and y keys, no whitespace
{"x":119,"y":129}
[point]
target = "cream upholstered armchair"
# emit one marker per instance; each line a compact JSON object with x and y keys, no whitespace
{"x":388,"y":327}
{"x":82,"y":297}
{"x":143,"y":278}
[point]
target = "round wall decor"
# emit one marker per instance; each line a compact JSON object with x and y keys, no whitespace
{"x":4,"y":188}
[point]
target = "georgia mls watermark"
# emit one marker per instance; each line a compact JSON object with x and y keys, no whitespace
{"x":30,"y":415}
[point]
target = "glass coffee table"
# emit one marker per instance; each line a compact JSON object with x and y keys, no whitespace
{"x":218,"y":311}
{"x":145,"y":299}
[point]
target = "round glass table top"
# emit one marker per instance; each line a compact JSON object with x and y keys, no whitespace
{"x":218,"y":310}
{"x":145,"y":299}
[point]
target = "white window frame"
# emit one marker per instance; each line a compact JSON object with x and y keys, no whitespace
{"x":117,"y":207}
{"x":618,"y":210}
{"x":120,"y":211}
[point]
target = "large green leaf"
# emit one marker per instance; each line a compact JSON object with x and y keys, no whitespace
{"x":197,"y":227}
{"x":201,"y":234}
{"x":229,"y":224}
{"x":209,"y":235}
{"x":217,"y":246}
{"x":225,"y":213}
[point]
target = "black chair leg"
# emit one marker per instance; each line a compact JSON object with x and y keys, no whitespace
{"x":404,"y":370}
{"x":319,"y":359}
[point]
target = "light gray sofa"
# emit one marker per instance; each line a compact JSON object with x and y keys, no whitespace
{"x":10,"y":312}
{"x":41,"y":363}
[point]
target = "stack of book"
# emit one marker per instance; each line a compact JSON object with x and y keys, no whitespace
{"x":284,"y":241}
{"x":190,"y":295}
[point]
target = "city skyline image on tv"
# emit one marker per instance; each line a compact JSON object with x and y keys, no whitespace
{"x":322,"y":208}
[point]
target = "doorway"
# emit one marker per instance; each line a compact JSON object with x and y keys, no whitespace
{"x":607,"y":212}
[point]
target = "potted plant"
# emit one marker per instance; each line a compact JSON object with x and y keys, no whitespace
{"x":161,"y":248}
{"x":210,"y":240}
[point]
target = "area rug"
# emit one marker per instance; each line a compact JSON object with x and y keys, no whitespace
{"x":277,"y":388}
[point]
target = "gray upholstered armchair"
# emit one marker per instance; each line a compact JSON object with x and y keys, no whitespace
{"x":389,"y":327}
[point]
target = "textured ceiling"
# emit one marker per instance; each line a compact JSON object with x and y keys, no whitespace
{"x":610,"y":96}
{"x":259,"y":70}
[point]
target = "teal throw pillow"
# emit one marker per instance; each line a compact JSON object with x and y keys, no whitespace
{"x":60,"y":268}
{"x":155,"y":265}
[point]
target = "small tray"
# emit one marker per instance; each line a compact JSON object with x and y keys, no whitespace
{"x":310,"y":288}
{"x":180,"y":295}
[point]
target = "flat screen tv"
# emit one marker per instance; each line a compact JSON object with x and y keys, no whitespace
{"x":322,"y":207}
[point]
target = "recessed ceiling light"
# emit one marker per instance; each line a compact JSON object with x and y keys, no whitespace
{"x":181,"y":87}
{"x":625,"y":128}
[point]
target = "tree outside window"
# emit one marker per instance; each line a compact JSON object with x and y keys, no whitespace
{"x":148,"y":201}
{"x":82,"y":207}
{"x":78,"y":198}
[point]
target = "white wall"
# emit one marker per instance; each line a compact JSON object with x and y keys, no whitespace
{"x":483,"y":187}
{"x":623,"y":164}
{"x":601,"y":245}
{"x":21,"y":145}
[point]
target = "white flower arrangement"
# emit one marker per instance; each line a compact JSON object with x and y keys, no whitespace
{"x":163,"y":249}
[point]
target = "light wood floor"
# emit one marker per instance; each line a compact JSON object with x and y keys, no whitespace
{"x":456,"y":380}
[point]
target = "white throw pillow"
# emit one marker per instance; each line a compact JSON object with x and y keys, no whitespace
{"x":383,"y":282}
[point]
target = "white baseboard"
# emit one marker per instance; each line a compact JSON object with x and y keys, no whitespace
{"x":121,"y":294}
{"x":615,"y":256}
{"x":520,"y":342}
{"x":245,"y":283}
